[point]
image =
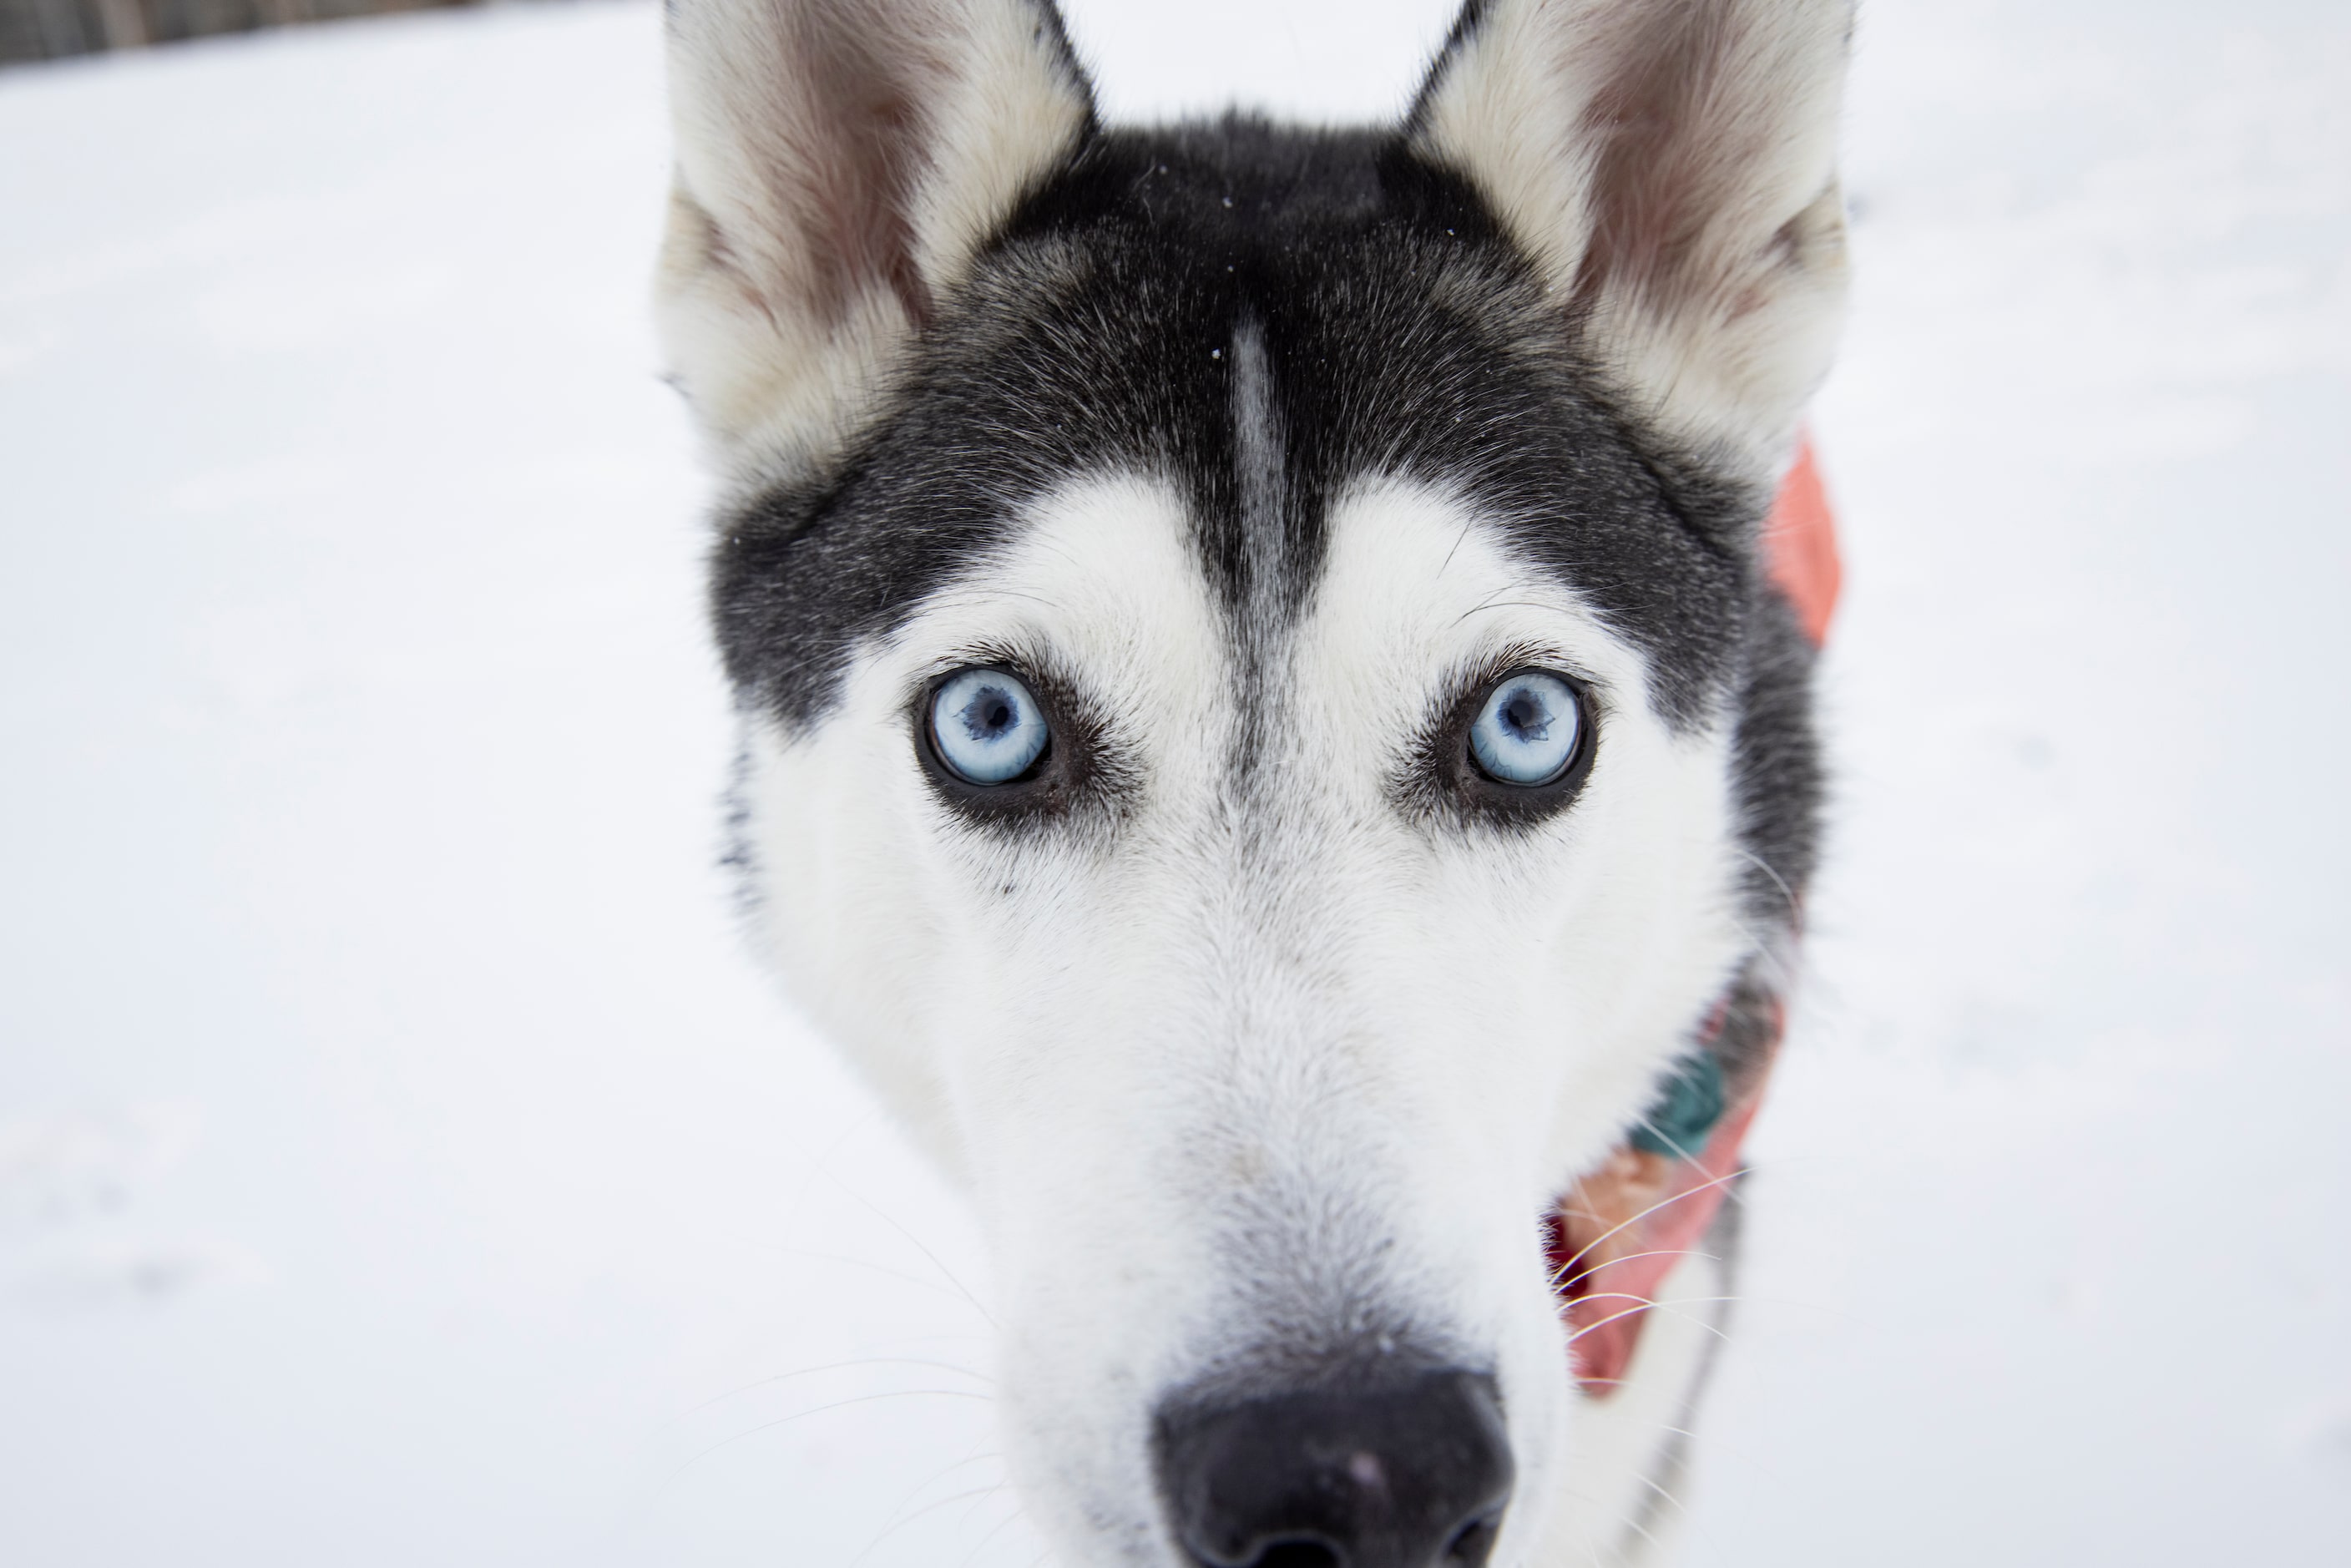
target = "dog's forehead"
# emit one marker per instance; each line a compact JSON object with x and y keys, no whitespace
{"x":1264,"y":323}
{"x":1103,"y":579}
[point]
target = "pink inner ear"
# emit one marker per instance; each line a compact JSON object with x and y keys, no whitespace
{"x":1800,"y":546}
{"x":1670,"y":157}
{"x":857,"y":177}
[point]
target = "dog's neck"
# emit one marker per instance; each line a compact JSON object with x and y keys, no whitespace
{"x":1624,"y":1226}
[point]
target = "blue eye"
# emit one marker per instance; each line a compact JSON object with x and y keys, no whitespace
{"x":987,"y":727}
{"x":1527,"y":731}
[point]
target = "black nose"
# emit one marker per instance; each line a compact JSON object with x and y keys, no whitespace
{"x":1411,"y":1475}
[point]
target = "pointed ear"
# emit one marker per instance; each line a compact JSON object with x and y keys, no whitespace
{"x":1670,"y":167}
{"x":839,"y":163}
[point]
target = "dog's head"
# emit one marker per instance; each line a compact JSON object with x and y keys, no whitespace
{"x":1263,"y":730}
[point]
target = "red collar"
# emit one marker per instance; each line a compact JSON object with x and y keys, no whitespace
{"x":1620,"y":1230}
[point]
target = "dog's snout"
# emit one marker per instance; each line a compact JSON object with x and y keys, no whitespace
{"x":1411,"y":1475}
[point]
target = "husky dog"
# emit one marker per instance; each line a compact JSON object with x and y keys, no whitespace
{"x":1266,"y":730}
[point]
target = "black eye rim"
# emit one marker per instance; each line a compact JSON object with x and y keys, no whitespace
{"x":1070,"y":772}
{"x":945,"y":773}
{"x":1452,"y":777}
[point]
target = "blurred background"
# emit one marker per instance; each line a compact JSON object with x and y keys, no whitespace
{"x":401,"y":1162}
{"x":52,"y":29}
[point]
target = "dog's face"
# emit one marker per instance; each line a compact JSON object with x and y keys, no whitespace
{"x":1262,"y":732}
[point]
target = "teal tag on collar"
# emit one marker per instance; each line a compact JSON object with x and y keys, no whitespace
{"x":1685,"y":1111}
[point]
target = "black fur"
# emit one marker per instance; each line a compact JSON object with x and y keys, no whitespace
{"x":1399,"y":332}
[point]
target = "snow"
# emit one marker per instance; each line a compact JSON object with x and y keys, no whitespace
{"x":401,"y":1162}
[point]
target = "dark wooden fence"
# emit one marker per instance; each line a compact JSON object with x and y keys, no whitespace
{"x":48,"y":29}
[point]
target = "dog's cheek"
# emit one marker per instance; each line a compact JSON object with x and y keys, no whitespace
{"x":841,"y":902}
{"x":1653,"y":930}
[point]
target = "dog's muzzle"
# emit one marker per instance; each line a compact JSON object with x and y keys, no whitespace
{"x":1409,"y":1475}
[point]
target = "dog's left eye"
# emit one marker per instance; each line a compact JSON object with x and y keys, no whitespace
{"x":1528,"y":729}
{"x":987,"y":727}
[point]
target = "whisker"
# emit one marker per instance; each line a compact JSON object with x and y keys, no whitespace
{"x":982,"y":598}
{"x":1661,"y":1306}
{"x":1795,"y":906}
{"x":821,"y":1409}
{"x":1767,"y":951}
{"x":917,"y":1243}
{"x":1558,"y":1283}
{"x":892,"y":1529}
{"x":1689,"y":1518}
{"x":831,"y":1366}
{"x":964,"y":1517}
{"x":1634,"y":1526}
{"x":1713,"y":1439}
{"x":881,"y":1268}
{"x":1662,"y":1492}
{"x":1662,"y":1203}
{"x":925,"y":1485}
{"x":1674,"y":1145}
{"x":1498,"y":604}
{"x":1464,"y":538}
{"x":973,"y":1555}
{"x":1670,"y":1309}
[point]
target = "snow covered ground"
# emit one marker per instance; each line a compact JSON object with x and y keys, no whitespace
{"x":400,"y":1164}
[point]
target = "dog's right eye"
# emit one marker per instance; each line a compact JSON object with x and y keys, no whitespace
{"x":1528,"y":731}
{"x":987,"y":727}
{"x":1515,"y":749}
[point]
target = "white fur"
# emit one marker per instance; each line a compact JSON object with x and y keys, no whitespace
{"x":1631,"y":1504}
{"x":1316,"y":1016}
{"x":1709,"y":265}
{"x":1244,"y":1047}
